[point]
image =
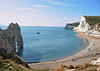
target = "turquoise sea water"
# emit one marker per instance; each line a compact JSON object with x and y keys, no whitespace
{"x":52,"y":43}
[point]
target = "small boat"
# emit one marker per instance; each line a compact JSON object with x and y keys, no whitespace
{"x":37,"y":32}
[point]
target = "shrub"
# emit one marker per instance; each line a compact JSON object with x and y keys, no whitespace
{"x":71,"y":67}
{"x":59,"y":69}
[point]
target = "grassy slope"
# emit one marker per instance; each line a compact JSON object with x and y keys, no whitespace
{"x":9,"y":65}
{"x":92,"y":20}
{"x":13,"y":63}
{"x":84,"y":67}
{"x":76,"y":24}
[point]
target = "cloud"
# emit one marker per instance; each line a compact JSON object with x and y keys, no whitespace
{"x":72,"y":19}
{"x":39,"y":6}
{"x":29,"y":14}
{"x":58,"y":3}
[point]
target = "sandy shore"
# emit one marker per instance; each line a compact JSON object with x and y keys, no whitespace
{"x":86,"y":55}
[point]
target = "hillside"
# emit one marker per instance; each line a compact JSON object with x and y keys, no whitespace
{"x":92,"y":20}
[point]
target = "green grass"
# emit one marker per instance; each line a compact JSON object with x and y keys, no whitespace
{"x":14,"y":57}
{"x":92,"y":20}
{"x":76,"y":24}
{"x":9,"y":65}
{"x":86,"y":67}
{"x":13,"y":62}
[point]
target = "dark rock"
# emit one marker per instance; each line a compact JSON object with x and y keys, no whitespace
{"x":13,"y":35}
{"x":37,"y":32}
{"x":69,"y":27}
{"x":8,"y":39}
{"x":5,"y":45}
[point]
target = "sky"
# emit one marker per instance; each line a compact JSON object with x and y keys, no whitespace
{"x":46,"y":12}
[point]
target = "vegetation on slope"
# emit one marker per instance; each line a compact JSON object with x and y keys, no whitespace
{"x":84,"y":67}
{"x":9,"y":65}
{"x":92,"y":20}
{"x":14,"y":57}
{"x":12,"y":62}
{"x":75,"y":24}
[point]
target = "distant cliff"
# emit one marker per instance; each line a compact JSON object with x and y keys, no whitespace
{"x":70,"y":26}
{"x":90,"y":25}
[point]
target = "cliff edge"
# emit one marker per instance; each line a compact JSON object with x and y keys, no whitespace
{"x":90,"y":25}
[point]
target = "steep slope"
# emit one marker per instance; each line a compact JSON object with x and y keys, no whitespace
{"x":90,"y":25}
{"x":92,"y":20}
{"x":13,"y":35}
{"x":6,"y":49}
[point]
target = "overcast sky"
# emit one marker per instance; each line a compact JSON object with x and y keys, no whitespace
{"x":46,"y":12}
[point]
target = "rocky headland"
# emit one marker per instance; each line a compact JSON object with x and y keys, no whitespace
{"x":70,"y":26}
{"x":13,"y":35}
{"x":8,"y":39}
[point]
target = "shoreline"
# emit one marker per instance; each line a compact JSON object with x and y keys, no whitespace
{"x":86,"y":55}
{"x":86,"y":41}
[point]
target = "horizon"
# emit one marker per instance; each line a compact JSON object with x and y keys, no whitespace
{"x":46,"y":12}
{"x":36,"y":26}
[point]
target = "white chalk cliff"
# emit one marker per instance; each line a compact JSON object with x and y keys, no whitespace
{"x":84,"y":26}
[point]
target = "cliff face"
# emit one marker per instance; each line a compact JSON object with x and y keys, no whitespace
{"x":90,"y":25}
{"x":83,"y":26}
{"x":4,"y":45}
{"x":8,"y":40}
{"x":13,"y":35}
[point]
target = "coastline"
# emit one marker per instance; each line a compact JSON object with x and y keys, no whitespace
{"x":85,"y":55}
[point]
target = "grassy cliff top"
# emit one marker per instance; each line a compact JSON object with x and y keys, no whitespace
{"x":76,"y":24}
{"x":92,"y":20}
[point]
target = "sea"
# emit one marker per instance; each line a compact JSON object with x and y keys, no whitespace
{"x":42,"y":43}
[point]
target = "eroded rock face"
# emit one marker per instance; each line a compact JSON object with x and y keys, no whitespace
{"x":8,"y":40}
{"x":89,"y":28}
{"x":83,"y":26}
{"x":13,"y":35}
{"x":4,"y":45}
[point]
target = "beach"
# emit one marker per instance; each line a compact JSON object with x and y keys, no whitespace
{"x":86,"y":55}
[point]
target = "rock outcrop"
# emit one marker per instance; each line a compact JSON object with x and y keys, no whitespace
{"x":69,"y":27}
{"x":8,"y":39}
{"x":4,"y":45}
{"x":13,"y":35}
